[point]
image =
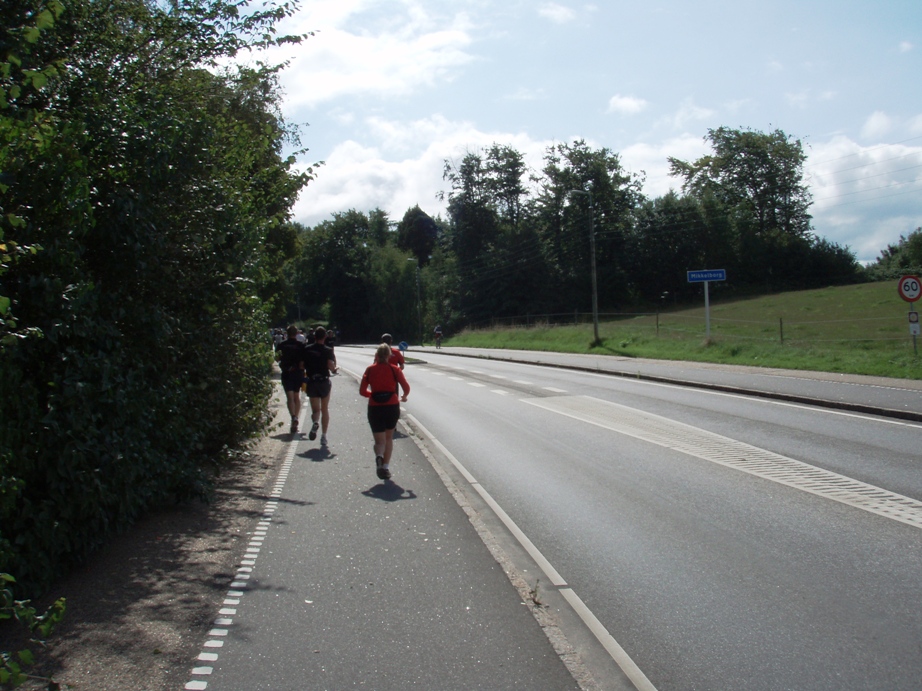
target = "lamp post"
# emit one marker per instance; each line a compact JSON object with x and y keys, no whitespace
{"x":419,"y":313}
{"x":595,"y":290}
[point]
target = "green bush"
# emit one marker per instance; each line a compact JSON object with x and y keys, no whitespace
{"x":138,"y":196}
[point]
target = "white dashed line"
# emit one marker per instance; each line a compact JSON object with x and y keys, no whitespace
{"x":239,"y":583}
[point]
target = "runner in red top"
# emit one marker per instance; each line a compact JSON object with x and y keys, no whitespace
{"x":396,"y":355}
{"x":380,"y":384}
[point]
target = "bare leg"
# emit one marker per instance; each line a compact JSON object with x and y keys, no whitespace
{"x":294,"y":404}
{"x":324,"y":414}
{"x":388,"y":446}
{"x":380,"y":443}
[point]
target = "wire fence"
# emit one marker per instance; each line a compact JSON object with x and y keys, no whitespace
{"x":783,"y":331}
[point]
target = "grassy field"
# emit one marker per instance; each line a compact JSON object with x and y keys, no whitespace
{"x":860,"y":329}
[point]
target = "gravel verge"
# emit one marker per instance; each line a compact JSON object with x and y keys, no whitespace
{"x":139,"y":610}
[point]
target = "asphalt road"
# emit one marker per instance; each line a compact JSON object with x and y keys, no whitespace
{"x":351,"y":582}
{"x":675,"y":537}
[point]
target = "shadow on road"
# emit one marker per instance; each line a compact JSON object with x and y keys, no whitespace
{"x":389,"y":491}
{"x":317,"y":455}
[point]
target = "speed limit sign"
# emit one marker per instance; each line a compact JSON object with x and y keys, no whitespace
{"x":910,"y":288}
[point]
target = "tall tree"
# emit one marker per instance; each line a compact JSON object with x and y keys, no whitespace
{"x":563,"y":216}
{"x":662,"y":245}
{"x":760,"y":173}
{"x":498,"y":257}
{"x":758,"y":180}
{"x":474,"y":222}
{"x":417,"y":233}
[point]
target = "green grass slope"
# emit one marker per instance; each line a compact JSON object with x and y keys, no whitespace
{"x":857,"y":329}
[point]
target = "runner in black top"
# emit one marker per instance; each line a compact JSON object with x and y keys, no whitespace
{"x":292,"y":366}
{"x":319,"y":363}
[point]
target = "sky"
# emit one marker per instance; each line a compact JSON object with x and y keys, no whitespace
{"x":386,"y":91}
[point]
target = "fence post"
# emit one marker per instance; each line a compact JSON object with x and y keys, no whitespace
{"x":657,"y":324}
{"x":781,"y":329}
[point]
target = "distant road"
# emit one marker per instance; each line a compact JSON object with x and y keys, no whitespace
{"x":877,"y":395}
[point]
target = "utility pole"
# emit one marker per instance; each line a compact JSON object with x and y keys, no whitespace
{"x":595,"y":289}
{"x":419,"y":312}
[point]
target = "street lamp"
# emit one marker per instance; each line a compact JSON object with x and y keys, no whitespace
{"x":419,"y":313}
{"x":595,"y":290}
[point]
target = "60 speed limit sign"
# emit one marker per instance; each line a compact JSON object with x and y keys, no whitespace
{"x":910,"y":288}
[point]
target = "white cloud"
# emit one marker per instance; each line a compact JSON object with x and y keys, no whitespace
{"x":402,"y":168}
{"x":627,"y":105}
{"x":687,"y":114}
{"x":653,"y":160}
{"x":865,"y":196}
{"x":526,"y":94}
{"x":556,"y":13}
{"x":403,"y":54}
{"x":905,"y":46}
{"x":876,"y":126}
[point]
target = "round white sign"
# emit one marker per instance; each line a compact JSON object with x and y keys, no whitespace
{"x":910,"y":288}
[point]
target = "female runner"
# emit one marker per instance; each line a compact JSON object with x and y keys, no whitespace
{"x":380,"y":386}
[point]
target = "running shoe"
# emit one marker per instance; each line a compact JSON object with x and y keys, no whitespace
{"x":385,"y":473}
{"x":379,"y":466}
{"x":313,"y":432}
{"x":294,"y":425}
{"x":323,"y":440}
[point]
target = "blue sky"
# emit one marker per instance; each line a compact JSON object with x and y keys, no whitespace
{"x":390,"y":89}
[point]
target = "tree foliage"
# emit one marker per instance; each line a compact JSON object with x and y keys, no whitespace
{"x":905,"y":257}
{"x":144,"y":204}
{"x":756,"y":181}
{"x":755,"y":174}
{"x":517,"y":242}
{"x":417,"y":233}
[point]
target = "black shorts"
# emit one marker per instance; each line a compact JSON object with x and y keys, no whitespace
{"x":319,"y":388}
{"x":291,"y":381}
{"x":383,"y":417}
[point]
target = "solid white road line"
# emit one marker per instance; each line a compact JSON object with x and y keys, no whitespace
{"x":614,"y":649}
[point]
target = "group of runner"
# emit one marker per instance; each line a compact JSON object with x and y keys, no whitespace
{"x":311,"y":365}
{"x":308,"y":366}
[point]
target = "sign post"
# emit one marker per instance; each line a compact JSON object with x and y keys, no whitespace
{"x":910,"y":289}
{"x":706,"y":276}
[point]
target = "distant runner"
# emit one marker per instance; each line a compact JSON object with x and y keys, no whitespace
{"x":396,"y":356}
{"x":291,"y":362}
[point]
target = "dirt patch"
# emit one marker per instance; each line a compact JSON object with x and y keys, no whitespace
{"x":139,"y":610}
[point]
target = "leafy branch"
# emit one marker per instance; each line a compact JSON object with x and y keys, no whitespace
{"x":13,"y":666}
